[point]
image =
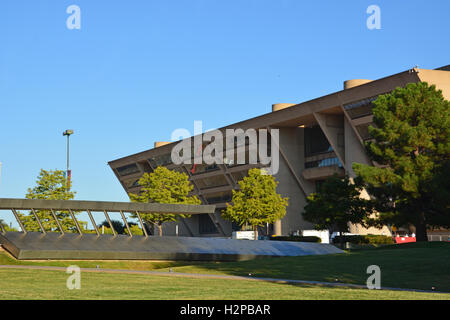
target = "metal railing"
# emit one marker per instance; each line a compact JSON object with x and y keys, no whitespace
{"x":72,"y":206}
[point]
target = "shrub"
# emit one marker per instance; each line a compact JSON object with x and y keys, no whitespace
{"x":365,"y":239}
{"x":135,"y":230}
{"x":297,"y":238}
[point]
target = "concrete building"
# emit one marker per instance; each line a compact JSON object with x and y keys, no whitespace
{"x":317,"y":139}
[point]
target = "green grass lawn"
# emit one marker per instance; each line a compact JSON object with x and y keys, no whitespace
{"x":413,"y":266}
{"x":43,"y":284}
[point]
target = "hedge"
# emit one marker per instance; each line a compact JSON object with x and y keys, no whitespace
{"x":365,"y":239}
{"x":297,"y":238}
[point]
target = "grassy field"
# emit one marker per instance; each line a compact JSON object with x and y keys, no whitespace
{"x":412,"y":266}
{"x":42,"y":284}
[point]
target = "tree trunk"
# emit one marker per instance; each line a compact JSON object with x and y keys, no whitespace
{"x":160,"y":230}
{"x":421,"y":230}
{"x":255,"y":230}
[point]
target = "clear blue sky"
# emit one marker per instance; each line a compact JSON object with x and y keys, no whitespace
{"x":137,"y":70}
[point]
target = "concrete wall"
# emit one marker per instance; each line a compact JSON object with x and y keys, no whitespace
{"x":292,"y":147}
{"x":439,"y":78}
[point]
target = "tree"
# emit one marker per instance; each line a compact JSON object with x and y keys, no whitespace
{"x":6,"y":226}
{"x":119,"y":226}
{"x":256,"y":202}
{"x":411,"y":150}
{"x":164,"y":186}
{"x":336,"y":204}
{"x":51,"y":185}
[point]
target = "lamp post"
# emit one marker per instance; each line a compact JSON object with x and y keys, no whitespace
{"x":68,"y":133}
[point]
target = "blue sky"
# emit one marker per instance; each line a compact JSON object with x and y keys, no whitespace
{"x":137,"y":70}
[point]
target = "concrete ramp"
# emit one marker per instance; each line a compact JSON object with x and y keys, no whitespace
{"x":70,"y":246}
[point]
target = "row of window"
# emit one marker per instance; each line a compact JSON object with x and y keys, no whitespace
{"x":219,"y":197}
{"x":360,"y":108}
{"x":323,"y":163}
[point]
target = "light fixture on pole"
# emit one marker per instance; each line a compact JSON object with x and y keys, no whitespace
{"x":68,"y":173}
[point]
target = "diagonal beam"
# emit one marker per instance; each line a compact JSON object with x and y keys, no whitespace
{"x":76,"y":222}
{"x":24,"y":230}
{"x":38,"y":221}
{"x":93,"y":221}
{"x":142,"y":224}
{"x":126,"y":223}
{"x":110,"y":223}
{"x":297,"y":179}
{"x":57,"y":221}
{"x":332,"y":131}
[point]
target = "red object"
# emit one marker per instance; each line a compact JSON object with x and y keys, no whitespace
{"x":404,"y":239}
{"x":195,"y":165}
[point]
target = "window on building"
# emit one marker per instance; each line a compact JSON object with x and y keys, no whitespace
{"x":238,"y":176}
{"x":128,"y":169}
{"x":132,"y":183}
{"x":202,"y":168}
{"x":212,"y":182}
{"x":360,"y":108}
{"x":206,"y":225}
{"x":145,"y":166}
{"x":162,"y":160}
{"x":363,"y":130}
{"x":327,"y":162}
{"x":218,"y":197}
{"x":316,"y":142}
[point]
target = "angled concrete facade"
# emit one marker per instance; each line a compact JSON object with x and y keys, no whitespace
{"x":317,"y":139}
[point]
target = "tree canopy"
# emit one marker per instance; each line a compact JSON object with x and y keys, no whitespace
{"x":164,"y":186}
{"x":411,"y":152}
{"x":337,"y":203}
{"x":257,"y":201}
{"x":51,"y":185}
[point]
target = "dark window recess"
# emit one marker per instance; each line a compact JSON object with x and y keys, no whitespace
{"x":132,"y":183}
{"x":202,"y":168}
{"x":323,"y":163}
{"x":239,"y":159}
{"x":360,"y":108}
{"x":363,"y":130}
{"x":145,"y":166}
{"x":219,"y":197}
{"x":162,"y":160}
{"x":206,"y":225}
{"x":316,"y":142}
{"x":128,"y":169}
{"x":212,"y":182}
{"x":238,"y":176}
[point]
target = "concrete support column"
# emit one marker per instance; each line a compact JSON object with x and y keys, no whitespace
{"x":277,"y":228}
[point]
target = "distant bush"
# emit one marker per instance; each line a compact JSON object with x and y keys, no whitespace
{"x":365,"y":239}
{"x":297,"y":238}
{"x":135,"y":230}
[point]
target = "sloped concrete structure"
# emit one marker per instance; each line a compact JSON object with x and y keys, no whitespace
{"x":317,"y":139}
{"x":70,"y":246}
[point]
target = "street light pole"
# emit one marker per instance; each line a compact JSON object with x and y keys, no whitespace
{"x":68,"y":175}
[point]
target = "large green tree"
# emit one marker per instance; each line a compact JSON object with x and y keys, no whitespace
{"x":51,"y":185}
{"x":164,"y":186}
{"x":337,"y":203}
{"x":411,"y":150}
{"x":256,"y":202}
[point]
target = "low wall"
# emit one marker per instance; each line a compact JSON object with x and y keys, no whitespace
{"x":54,"y":246}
